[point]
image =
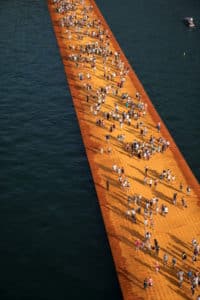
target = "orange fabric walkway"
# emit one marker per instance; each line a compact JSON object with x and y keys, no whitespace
{"x":118,"y":188}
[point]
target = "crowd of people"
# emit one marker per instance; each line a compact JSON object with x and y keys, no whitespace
{"x":128,"y":110}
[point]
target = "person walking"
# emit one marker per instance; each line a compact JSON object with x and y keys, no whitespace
{"x":188,"y":190}
{"x":150,"y":281}
{"x":107,"y":185}
{"x":146,"y":169}
{"x":180,"y":275}
{"x":165,"y":259}
{"x":157,"y":267}
{"x":158,"y":126}
{"x":157,"y":249}
{"x":173,"y":262}
{"x":193,"y":289}
{"x":145,"y":283}
{"x":174,"y":200}
{"x":183,"y":201}
{"x":184,"y":256}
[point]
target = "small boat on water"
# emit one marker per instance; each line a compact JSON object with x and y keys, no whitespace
{"x":189,"y":21}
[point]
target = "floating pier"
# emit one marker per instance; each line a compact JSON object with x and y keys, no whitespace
{"x":149,"y":197}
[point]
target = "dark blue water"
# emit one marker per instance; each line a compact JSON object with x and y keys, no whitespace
{"x":52,"y":239}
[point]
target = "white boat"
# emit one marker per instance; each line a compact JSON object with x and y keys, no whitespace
{"x":189,"y":21}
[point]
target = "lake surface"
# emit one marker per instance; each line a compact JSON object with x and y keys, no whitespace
{"x":53,"y":242}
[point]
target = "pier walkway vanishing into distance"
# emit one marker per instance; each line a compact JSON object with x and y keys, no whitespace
{"x":149,"y":197}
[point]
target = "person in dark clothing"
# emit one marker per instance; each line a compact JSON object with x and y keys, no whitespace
{"x":184,"y":256}
{"x":145,"y":283}
{"x":107,"y":185}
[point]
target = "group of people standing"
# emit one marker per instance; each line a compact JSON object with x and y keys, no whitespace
{"x":97,"y":54}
